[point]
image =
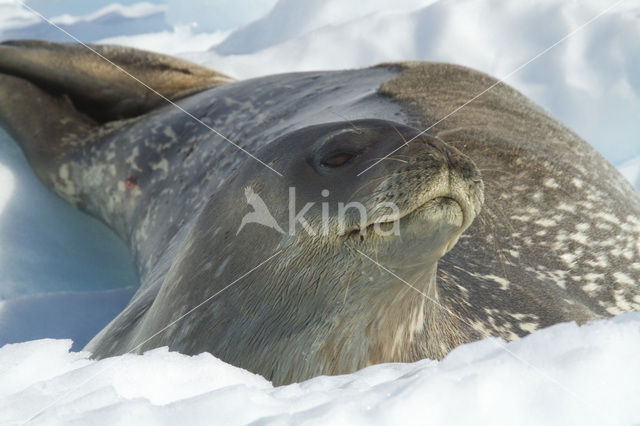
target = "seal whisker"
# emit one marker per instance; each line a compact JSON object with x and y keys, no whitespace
{"x":346,"y":290}
{"x":495,"y":170}
{"x":391,"y":158}
{"x":366,"y":184}
{"x":411,"y":265}
{"x":401,"y":135}
{"x":356,"y":128}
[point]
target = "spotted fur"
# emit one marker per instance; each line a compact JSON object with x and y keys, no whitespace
{"x":557,"y":238}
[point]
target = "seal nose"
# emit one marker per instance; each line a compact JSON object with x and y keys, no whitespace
{"x":464,"y":180}
{"x":450,"y":154}
{"x":441,"y":149}
{"x":454,"y":158}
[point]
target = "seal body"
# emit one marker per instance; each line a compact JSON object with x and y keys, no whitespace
{"x":557,"y":238}
{"x":557,"y":214}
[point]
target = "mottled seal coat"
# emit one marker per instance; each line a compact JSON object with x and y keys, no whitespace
{"x":557,"y":238}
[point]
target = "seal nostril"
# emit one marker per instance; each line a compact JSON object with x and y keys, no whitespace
{"x":452,"y":158}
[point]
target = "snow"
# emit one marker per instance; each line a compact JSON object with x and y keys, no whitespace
{"x":216,"y":15}
{"x":111,"y":20}
{"x":171,"y":42}
{"x":64,"y":275}
{"x":562,"y":375}
{"x":52,"y":8}
{"x":631,"y":170}
{"x":291,"y":19}
{"x":6,"y":186}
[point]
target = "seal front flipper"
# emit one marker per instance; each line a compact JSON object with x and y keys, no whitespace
{"x":105,"y":82}
{"x":44,"y":125}
{"x":53,"y":96}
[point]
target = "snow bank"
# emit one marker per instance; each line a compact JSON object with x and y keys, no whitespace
{"x":113,"y":19}
{"x":216,"y":15}
{"x":291,"y":19}
{"x":561,"y":375}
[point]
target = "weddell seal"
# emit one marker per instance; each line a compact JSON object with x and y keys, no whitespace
{"x":250,"y":241}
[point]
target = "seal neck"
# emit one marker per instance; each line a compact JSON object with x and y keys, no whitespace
{"x":411,"y":323}
{"x":405,"y":322}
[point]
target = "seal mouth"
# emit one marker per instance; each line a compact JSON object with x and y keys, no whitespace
{"x":447,"y":205}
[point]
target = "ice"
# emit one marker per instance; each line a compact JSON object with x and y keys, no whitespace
{"x":75,"y":315}
{"x":561,"y":375}
{"x":46,"y":245}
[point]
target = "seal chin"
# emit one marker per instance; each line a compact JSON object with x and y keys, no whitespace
{"x":449,"y":209}
{"x":458,"y":212}
{"x":446,"y":210}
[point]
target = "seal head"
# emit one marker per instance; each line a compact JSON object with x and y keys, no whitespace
{"x":342,"y":311}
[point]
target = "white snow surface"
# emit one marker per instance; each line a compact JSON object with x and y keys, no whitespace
{"x":216,"y":15}
{"x":63,"y":274}
{"x":631,"y":170}
{"x":563,"y":375}
{"x":113,"y":19}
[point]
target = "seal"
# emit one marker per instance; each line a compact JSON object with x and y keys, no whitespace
{"x":288,"y":241}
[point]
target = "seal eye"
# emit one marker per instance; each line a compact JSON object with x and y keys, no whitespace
{"x":338,"y":160}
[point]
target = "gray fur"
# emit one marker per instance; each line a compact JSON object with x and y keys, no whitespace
{"x":556,"y":240}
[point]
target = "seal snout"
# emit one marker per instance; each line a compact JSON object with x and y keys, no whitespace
{"x":437,"y":187}
{"x":464,"y":184}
